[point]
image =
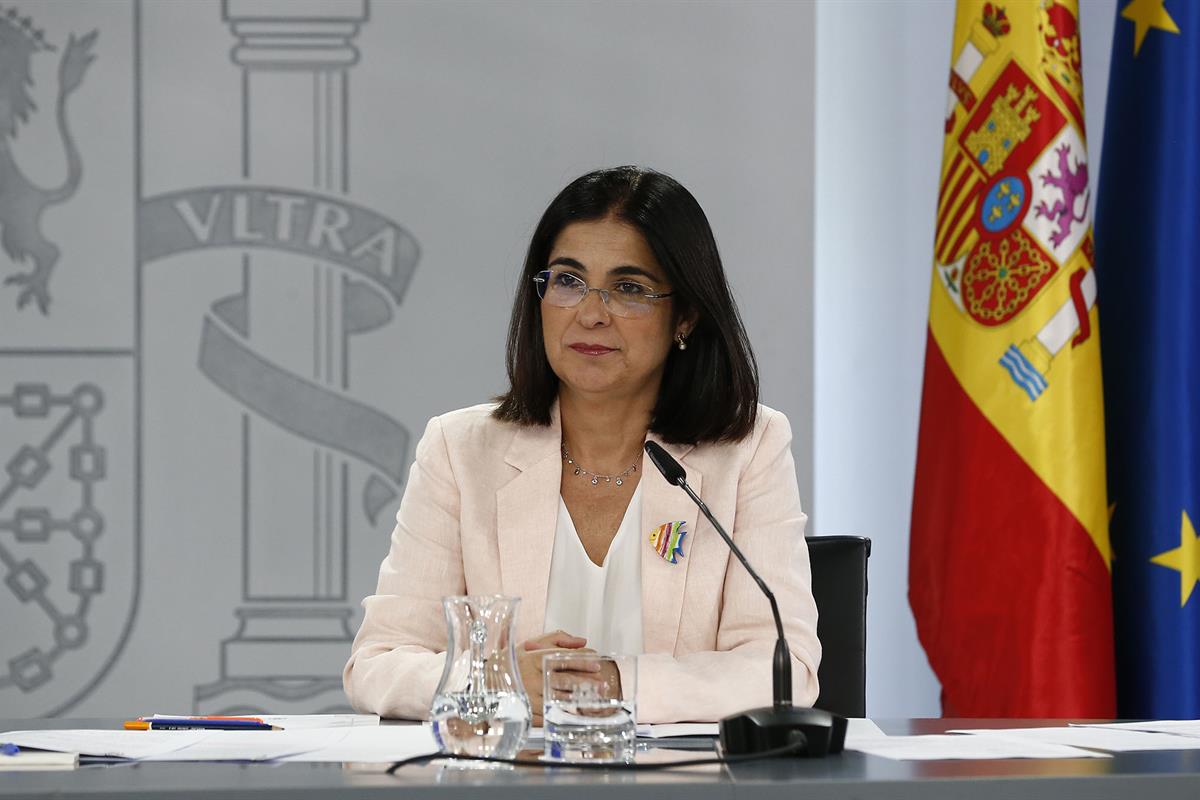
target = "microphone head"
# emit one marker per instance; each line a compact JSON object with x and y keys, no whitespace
{"x":667,"y":465}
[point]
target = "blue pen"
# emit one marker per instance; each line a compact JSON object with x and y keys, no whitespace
{"x":9,"y":749}
{"x":194,"y":723}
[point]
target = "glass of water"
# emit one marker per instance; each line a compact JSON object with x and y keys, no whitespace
{"x":590,"y":708}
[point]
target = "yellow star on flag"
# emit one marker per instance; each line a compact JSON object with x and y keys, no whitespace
{"x":1185,"y":559}
{"x":1147,"y":14}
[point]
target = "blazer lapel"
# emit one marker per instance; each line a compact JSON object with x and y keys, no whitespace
{"x":526,"y":519}
{"x":663,"y":583}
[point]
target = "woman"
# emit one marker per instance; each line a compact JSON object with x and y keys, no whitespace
{"x":623,"y":330}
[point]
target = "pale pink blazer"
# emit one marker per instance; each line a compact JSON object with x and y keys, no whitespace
{"x":479,"y":515}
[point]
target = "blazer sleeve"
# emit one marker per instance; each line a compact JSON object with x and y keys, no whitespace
{"x":769,"y":528}
{"x":397,"y":657}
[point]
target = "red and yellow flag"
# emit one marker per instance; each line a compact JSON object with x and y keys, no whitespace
{"x":1009,"y":563}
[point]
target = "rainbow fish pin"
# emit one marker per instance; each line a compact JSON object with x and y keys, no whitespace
{"x":667,"y":541}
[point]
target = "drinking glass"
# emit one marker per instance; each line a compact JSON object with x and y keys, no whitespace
{"x":590,"y":708}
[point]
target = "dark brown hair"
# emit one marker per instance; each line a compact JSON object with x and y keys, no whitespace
{"x":709,"y":392}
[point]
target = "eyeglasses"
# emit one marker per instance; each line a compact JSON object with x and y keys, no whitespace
{"x":625,"y":298}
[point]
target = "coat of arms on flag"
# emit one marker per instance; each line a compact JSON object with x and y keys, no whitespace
{"x":1014,"y":204}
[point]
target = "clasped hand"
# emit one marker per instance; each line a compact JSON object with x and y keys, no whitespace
{"x":529,"y":662}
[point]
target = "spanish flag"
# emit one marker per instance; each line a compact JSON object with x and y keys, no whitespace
{"x":1009,"y":570}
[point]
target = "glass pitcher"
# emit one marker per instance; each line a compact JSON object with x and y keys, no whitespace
{"x":480,"y":707}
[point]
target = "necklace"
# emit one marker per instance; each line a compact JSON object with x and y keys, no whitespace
{"x":596,"y":478}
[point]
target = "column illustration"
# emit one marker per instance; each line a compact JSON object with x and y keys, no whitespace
{"x":282,"y":348}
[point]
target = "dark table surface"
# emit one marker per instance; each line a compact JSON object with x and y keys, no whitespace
{"x":1145,"y":775}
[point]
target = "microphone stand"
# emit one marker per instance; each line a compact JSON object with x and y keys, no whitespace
{"x":780,"y":724}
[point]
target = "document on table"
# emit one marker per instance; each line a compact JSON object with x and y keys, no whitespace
{"x":859,"y":729}
{"x":108,"y":744}
{"x":252,"y":745}
{"x":384,"y":743}
{"x":1113,"y":739}
{"x":291,"y":722}
{"x":953,"y":746}
{"x":37,"y":760}
{"x":355,"y":743}
{"x":1179,"y":727}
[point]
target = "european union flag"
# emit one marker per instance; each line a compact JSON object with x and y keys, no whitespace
{"x":1148,"y":268}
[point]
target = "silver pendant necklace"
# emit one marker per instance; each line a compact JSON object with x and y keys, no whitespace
{"x":619,"y":480}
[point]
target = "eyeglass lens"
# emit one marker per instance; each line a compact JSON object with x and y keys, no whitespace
{"x":625,"y":298}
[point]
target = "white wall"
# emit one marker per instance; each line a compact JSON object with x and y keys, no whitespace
{"x":881,"y":86}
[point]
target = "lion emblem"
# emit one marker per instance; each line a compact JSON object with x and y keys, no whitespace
{"x":22,"y":202}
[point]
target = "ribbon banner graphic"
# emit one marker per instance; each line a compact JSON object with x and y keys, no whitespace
{"x":378,"y":257}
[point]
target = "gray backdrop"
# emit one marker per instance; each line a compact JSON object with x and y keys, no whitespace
{"x":266,"y":241}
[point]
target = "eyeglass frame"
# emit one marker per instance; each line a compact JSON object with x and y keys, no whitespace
{"x":543,"y":277}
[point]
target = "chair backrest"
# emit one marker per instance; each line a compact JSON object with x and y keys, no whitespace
{"x":839,"y":585}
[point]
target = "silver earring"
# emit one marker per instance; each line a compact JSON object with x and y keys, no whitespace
{"x":680,"y":341}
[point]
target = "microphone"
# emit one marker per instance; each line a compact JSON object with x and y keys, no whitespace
{"x":780,"y":724}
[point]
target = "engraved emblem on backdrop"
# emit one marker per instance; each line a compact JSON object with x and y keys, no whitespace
{"x":178,"y":356}
{"x":69,"y":541}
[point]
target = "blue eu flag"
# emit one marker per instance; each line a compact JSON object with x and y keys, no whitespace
{"x":1148,"y":268}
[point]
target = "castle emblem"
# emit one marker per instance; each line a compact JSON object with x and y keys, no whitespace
{"x":1008,"y":124}
{"x":22,"y":202}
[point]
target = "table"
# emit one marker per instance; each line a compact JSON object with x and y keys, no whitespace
{"x":1161,"y":775}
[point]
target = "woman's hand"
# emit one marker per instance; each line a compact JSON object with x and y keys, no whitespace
{"x":529,"y":663}
{"x":581,"y":682}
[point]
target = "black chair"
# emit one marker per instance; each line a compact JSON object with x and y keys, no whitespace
{"x":839,"y":585}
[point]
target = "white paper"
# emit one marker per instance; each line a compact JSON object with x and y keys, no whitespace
{"x":198,"y":745}
{"x":1115,"y":740}
{"x":108,"y":744}
{"x":860,"y":729}
{"x":252,"y":745}
{"x":938,"y":747}
{"x":1179,"y":727}
{"x":292,"y":722}
{"x":28,"y":760}
{"x":384,"y":743}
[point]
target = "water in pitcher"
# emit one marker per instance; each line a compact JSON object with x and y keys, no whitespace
{"x":481,"y":724}
{"x":480,"y":707}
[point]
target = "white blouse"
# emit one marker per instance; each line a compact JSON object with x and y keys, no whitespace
{"x":600,"y":603}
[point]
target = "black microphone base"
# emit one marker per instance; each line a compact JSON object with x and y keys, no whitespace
{"x":762,"y":729}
